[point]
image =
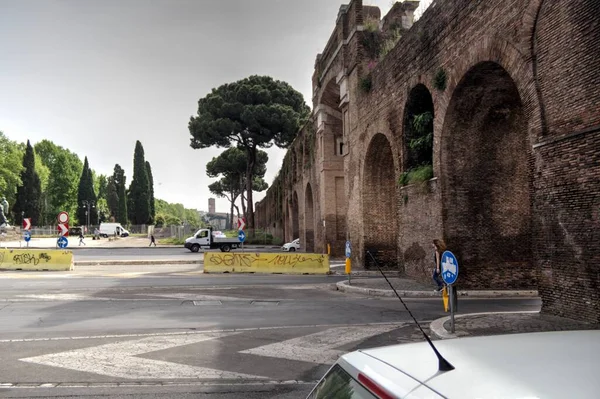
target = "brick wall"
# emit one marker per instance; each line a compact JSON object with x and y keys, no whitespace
{"x":516,"y":192}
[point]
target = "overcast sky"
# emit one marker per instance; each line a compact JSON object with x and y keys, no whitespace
{"x":95,"y":76}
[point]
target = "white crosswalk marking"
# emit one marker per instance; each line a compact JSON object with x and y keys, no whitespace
{"x":317,"y":348}
{"x":119,"y":359}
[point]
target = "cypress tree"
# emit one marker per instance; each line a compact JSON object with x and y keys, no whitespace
{"x":112,"y":198}
{"x":140,"y":188}
{"x":85,"y":193}
{"x":151,"y":185}
{"x":29,"y":194}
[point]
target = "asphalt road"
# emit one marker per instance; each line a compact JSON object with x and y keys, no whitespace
{"x":144,"y":253}
{"x":193,"y":336}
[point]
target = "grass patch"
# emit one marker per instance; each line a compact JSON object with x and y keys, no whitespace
{"x":171,"y":241}
{"x":419,"y":174}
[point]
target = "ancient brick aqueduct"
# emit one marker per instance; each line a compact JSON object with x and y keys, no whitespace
{"x":513,"y":89}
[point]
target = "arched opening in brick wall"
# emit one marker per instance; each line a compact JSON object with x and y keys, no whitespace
{"x":418,"y":130}
{"x":380,"y":219}
{"x":309,"y":220}
{"x":295,"y":218}
{"x":486,"y":197}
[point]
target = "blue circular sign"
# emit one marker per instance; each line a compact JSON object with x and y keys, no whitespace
{"x":27,"y":236}
{"x":348,"y":249}
{"x":62,"y":242}
{"x":242,"y":236}
{"x":449,"y":267}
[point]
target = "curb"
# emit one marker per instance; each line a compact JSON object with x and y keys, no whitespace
{"x":136,"y":262}
{"x":438,"y":330}
{"x":343,"y":286}
{"x":362,"y":273}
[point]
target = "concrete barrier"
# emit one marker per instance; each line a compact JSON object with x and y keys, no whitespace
{"x":36,"y":259}
{"x":285,"y":263}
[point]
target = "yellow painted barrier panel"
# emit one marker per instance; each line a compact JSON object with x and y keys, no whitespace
{"x":36,"y":259}
{"x":245,"y":262}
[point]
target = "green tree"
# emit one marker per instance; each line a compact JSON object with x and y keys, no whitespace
{"x":251,"y":113}
{"x":112,"y":198}
{"x":11,"y":165}
{"x":151,"y":187}
{"x":86,"y":195}
{"x":119,"y":180}
{"x":102,"y":185}
{"x":28,"y":200}
{"x":139,"y":190}
{"x":230,"y":165}
{"x":65,"y":171}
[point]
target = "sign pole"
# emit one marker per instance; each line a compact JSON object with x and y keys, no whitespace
{"x":450,"y":289}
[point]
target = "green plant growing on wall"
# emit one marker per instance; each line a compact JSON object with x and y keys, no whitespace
{"x":418,"y":174}
{"x":366,"y":83}
{"x":440,"y":80}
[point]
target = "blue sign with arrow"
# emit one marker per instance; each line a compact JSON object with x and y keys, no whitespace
{"x":348,"y":249}
{"x":449,"y":267}
{"x":62,"y":242}
{"x":242,"y":236}
{"x":27,"y":236}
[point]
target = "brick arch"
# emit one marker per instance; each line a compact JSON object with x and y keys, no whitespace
{"x":509,"y":57}
{"x":309,"y":219}
{"x":379,"y":197}
{"x":486,"y":200}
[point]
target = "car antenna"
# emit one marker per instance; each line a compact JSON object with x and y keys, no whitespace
{"x":443,"y":364}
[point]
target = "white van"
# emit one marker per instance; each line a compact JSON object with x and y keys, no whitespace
{"x":110,"y":229}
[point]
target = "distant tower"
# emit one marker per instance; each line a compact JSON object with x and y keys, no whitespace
{"x":211,"y":205}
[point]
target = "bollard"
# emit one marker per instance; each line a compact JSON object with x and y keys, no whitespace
{"x":348,"y":269}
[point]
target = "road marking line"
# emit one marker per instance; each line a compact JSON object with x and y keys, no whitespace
{"x":120,"y":359}
{"x":316,"y":348}
{"x":396,"y":324}
{"x":106,"y":385}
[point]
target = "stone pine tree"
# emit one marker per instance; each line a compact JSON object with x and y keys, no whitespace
{"x":139,"y":190}
{"x":28,"y":199}
{"x":151,"y":186}
{"x":119,"y":181}
{"x":86,"y":195}
{"x":251,"y":113}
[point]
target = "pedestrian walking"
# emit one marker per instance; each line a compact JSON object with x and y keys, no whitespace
{"x":152,"y":240}
{"x":439,"y":246}
{"x":81,"y":237}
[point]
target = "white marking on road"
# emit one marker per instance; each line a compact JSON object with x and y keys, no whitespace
{"x":317,"y":348}
{"x":56,"y":297}
{"x":198,"y":297}
{"x":119,"y":359}
{"x":396,"y":324}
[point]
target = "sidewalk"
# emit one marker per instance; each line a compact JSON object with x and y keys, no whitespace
{"x":478,"y":324}
{"x":411,"y":288}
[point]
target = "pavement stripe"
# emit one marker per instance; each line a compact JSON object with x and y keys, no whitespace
{"x":316,"y":348}
{"x":392,"y":326}
{"x":105,"y":385}
{"x":120,"y":359}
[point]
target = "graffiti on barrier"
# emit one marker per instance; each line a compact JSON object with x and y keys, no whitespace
{"x":253,"y":259}
{"x":31,"y":258}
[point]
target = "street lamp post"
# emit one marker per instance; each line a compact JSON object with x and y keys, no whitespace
{"x":88,"y":205}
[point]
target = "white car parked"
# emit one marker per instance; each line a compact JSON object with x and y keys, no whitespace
{"x":291,"y":246}
{"x":561,"y":364}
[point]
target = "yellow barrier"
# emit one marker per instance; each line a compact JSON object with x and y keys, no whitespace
{"x":36,"y":259}
{"x":244,"y":262}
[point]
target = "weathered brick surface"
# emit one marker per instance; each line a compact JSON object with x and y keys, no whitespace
{"x":516,"y":193}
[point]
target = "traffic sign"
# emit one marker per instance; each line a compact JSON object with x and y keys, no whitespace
{"x":62,"y":242}
{"x":449,"y":268}
{"x":63,"y":217}
{"x":27,"y":224}
{"x":63,"y":229}
{"x":348,"y":249}
{"x":27,"y":236}
{"x":242,"y":236}
{"x":241,"y":224}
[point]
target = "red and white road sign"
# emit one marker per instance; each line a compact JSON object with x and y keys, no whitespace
{"x":63,"y":217}
{"x":63,"y":229}
{"x":241,"y":224}
{"x":27,"y":224}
